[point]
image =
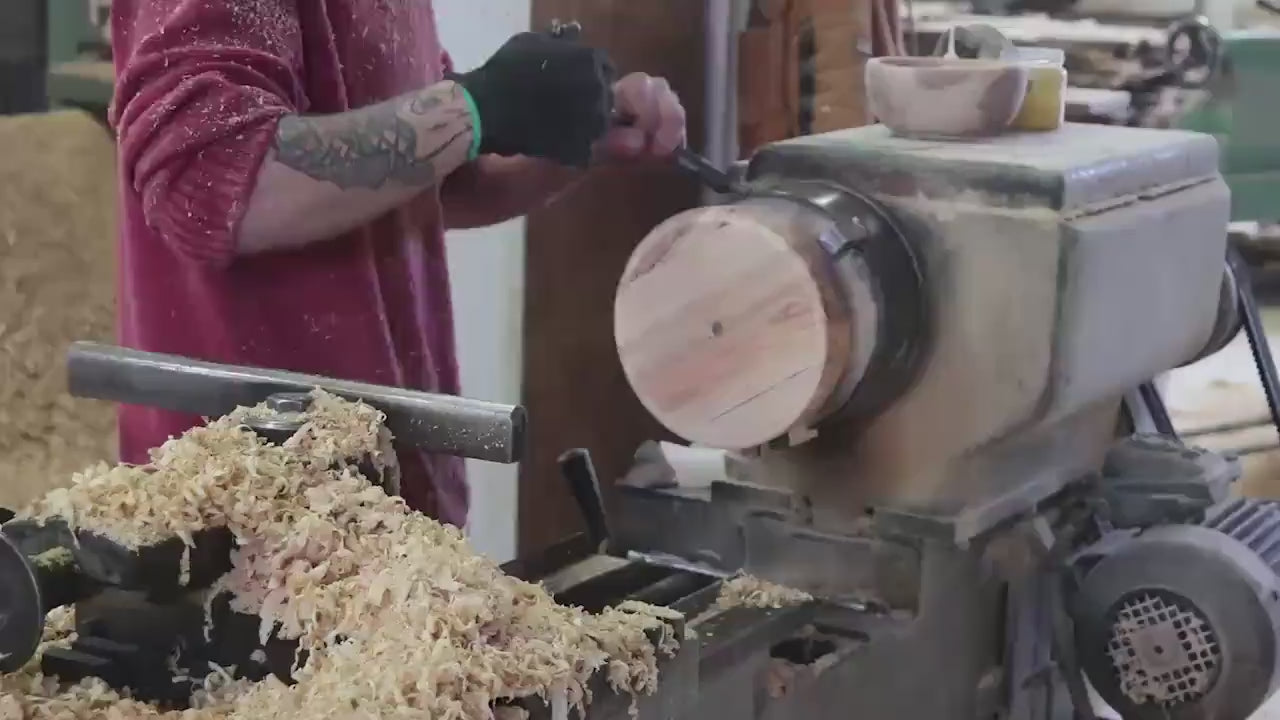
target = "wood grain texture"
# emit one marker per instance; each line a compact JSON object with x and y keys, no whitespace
{"x":729,"y":325}
{"x":574,"y":387}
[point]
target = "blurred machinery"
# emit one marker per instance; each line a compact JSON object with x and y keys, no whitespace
{"x":80,"y":73}
{"x":1206,"y":67}
{"x":1240,"y":101}
{"x":38,"y":38}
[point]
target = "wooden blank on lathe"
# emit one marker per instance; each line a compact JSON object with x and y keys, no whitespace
{"x":728,"y":329}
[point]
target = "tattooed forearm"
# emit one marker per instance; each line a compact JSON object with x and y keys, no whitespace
{"x":398,"y":141}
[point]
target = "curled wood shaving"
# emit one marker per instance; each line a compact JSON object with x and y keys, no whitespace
{"x":752,"y":592}
{"x":337,"y":430}
{"x":400,"y":617}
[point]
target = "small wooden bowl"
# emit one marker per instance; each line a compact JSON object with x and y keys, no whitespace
{"x":945,"y":97}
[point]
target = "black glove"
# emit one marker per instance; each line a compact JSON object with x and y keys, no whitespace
{"x":542,"y":96}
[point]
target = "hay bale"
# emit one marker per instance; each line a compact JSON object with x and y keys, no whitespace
{"x":57,"y":285}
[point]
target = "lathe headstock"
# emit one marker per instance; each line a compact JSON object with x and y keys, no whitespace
{"x":930,"y":326}
{"x":934,"y":361}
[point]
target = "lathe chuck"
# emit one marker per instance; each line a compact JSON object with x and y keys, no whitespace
{"x":743,"y":323}
{"x":21,"y":608}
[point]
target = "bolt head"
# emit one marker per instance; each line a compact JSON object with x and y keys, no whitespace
{"x":289,"y":402}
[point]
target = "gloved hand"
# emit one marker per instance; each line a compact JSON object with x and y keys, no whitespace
{"x":654,"y":120}
{"x":542,"y":96}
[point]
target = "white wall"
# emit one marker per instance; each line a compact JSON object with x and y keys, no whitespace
{"x":487,"y":268}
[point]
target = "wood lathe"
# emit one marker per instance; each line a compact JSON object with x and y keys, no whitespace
{"x":935,"y":357}
{"x":931,"y":361}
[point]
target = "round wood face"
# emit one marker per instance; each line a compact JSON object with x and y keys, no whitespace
{"x":721,"y":329}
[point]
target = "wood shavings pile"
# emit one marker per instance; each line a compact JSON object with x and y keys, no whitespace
{"x":200,"y":480}
{"x":57,"y":285}
{"x":337,"y":430}
{"x":399,"y":616}
{"x":752,"y":592}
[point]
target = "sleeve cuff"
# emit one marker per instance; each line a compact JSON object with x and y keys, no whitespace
{"x":200,"y":209}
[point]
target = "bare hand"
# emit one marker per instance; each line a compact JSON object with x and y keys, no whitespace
{"x":656,"y":126}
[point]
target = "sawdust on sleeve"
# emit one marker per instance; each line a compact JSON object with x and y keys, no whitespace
{"x":57,"y":285}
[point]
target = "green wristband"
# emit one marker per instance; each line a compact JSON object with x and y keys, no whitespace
{"x":475,"y":124}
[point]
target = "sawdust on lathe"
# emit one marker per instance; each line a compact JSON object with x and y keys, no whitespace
{"x":400,"y":618}
{"x":57,"y":285}
{"x":187,"y":486}
{"x":747,"y":591}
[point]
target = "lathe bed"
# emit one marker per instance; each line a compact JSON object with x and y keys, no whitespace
{"x":151,"y":620}
{"x":171,"y":569}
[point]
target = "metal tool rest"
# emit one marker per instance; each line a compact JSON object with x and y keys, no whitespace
{"x":138,"y":619}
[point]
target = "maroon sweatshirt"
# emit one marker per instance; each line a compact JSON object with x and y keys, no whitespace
{"x":200,"y":87}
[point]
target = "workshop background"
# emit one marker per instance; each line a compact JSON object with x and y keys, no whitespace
{"x":534,"y":297}
{"x":532,"y":326}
